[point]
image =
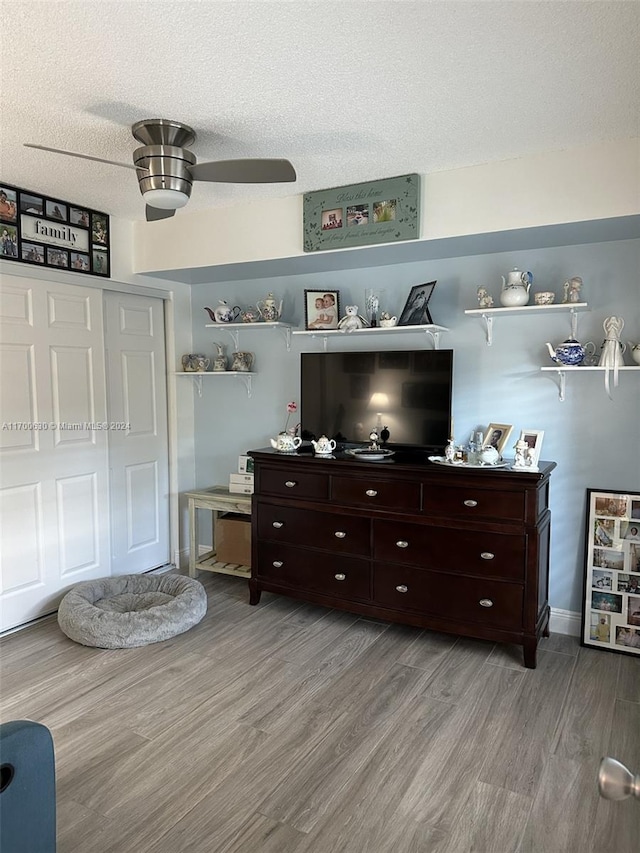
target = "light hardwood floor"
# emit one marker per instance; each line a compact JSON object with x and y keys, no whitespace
{"x":290,"y":728}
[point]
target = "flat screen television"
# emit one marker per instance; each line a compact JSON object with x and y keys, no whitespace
{"x":344,"y":395}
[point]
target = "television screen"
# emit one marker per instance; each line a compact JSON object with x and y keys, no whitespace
{"x":344,"y":395}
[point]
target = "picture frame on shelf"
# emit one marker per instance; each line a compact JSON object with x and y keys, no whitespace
{"x":416,"y":310}
{"x":533,"y":440}
{"x":497,"y":435}
{"x":321,"y":309}
{"x":611,"y":596}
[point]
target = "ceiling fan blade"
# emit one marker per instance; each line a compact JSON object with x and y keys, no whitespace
{"x":154,"y":213}
{"x":84,"y":156}
{"x":244,"y":171}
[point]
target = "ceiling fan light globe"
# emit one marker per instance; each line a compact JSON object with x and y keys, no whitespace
{"x":165,"y":199}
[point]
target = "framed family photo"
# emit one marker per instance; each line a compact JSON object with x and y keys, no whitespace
{"x":497,"y":435}
{"x":321,"y":309}
{"x":611,"y":602}
{"x":533,"y":439}
{"x":416,"y":309}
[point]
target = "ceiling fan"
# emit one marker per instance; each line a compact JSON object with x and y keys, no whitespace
{"x":166,"y":168}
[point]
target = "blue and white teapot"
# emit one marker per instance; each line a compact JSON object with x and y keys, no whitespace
{"x":571,"y":352}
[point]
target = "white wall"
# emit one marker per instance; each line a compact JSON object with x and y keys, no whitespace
{"x":594,"y":440}
{"x":590,"y":183}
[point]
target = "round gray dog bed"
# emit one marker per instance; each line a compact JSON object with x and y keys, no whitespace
{"x":131,"y":610}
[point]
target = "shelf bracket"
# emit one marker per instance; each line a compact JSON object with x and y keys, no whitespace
{"x":574,"y":323}
{"x":435,"y":337}
{"x":235,"y":337}
{"x":287,"y":336}
{"x":488,"y":321}
{"x":246,"y":378}
{"x":197,"y":380}
{"x":562,"y":377}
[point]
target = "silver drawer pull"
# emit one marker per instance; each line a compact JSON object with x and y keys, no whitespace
{"x":340,"y":534}
{"x":371,"y":493}
{"x":340,"y":577}
{"x":486,"y":602}
{"x":277,"y":563}
{"x":487,"y":555}
{"x":402,"y":588}
{"x":290,"y":484}
{"x":277,"y":524}
{"x":401,"y":543}
{"x":471,"y":503}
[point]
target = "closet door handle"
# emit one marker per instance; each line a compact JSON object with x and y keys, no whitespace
{"x":471,"y":503}
{"x":340,"y":577}
{"x":278,"y":524}
{"x":340,"y":534}
{"x":371,"y":493}
{"x":290,"y":483}
{"x":277,"y":563}
{"x":401,"y":543}
{"x":486,"y":602}
{"x":487,"y":555}
{"x":402,"y":588}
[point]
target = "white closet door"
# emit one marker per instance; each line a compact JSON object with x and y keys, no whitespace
{"x":138,"y":444}
{"x":54,"y":502}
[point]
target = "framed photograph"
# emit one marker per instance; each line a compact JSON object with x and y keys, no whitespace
{"x":497,"y":435}
{"x":56,"y":210}
{"x":416,"y":309}
{"x":611,"y":599}
{"x":533,"y":439}
{"x":8,"y":204}
{"x":321,"y":309}
{"x":382,"y":211}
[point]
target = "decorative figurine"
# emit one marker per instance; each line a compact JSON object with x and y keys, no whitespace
{"x":450,"y":450}
{"x":352,"y":320}
{"x":484,"y":299}
{"x":530,"y":455}
{"x":571,"y":289}
{"x":520,"y":460}
{"x":220,"y":359}
{"x":373,"y":437}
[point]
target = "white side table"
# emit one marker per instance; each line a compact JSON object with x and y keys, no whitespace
{"x":217,"y":499}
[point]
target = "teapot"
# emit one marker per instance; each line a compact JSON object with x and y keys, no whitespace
{"x":515,"y":288}
{"x":571,"y":352}
{"x":224,"y":313}
{"x":249,"y":315}
{"x":286,"y":443}
{"x":323,"y":446}
{"x":242,"y":362}
{"x":634,"y":351}
{"x":268,"y":309}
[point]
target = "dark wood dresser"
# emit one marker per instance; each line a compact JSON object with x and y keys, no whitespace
{"x":460,"y":550}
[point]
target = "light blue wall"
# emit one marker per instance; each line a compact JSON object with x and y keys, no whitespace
{"x":594,"y":440}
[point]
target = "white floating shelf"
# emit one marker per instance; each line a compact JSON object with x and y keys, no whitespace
{"x":429,"y":329}
{"x":573,"y":369}
{"x":488,"y":314}
{"x":197,"y":376}
{"x":234,"y":329}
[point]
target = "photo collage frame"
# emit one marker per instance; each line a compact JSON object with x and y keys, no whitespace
{"x":611,"y":606}
{"x":48,"y":232}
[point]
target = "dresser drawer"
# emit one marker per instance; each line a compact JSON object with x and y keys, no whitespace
{"x":490,"y":603}
{"x":294,"y":484}
{"x":302,"y":569}
{"x":471,"y":502}
{"x":473,"y":552}
{"x":336,"y":532}
{"x":375,"y":494}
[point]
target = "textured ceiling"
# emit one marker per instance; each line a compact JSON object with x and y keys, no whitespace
{"x":349,"y":91}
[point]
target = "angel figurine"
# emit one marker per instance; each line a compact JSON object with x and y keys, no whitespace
{"x":571,"y":289}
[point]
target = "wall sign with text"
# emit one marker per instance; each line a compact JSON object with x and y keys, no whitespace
{"x":381,"y":211}
{"x":36,"y":229}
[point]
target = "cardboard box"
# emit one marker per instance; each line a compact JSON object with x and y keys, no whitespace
{"x":240,"y":488}
{"x":241,"y":478}
{"x":233,"y":539}
{"x":245,"y":465}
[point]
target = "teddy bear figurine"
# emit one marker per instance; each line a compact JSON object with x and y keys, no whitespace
{"x":352,"y":320}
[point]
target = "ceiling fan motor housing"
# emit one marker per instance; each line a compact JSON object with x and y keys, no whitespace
{"x":164,"y":167}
